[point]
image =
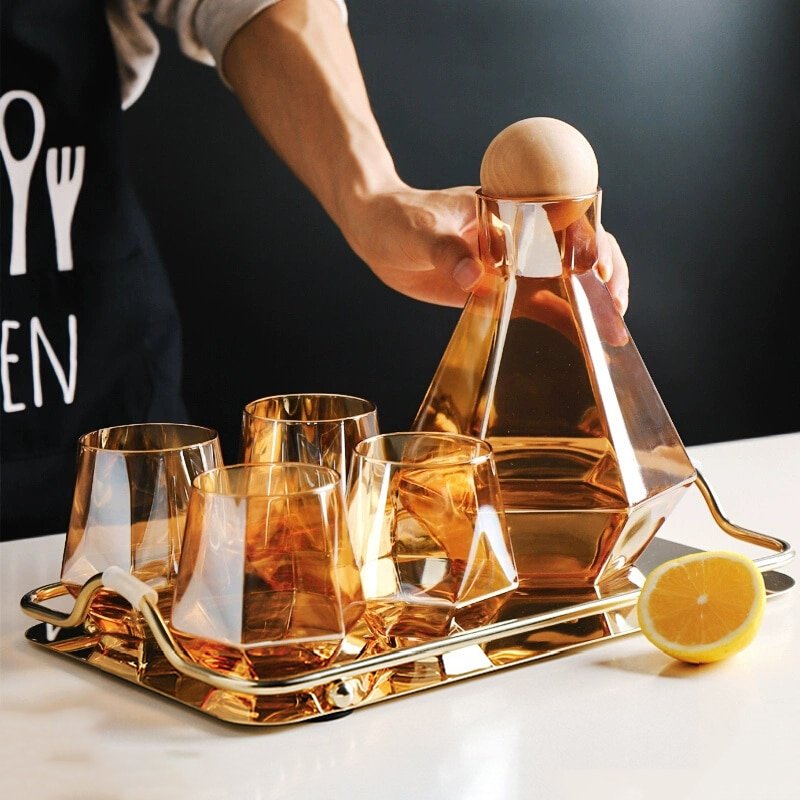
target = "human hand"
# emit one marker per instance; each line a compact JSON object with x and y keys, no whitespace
{"x":613,"y":268}
{"x":424,"y":244}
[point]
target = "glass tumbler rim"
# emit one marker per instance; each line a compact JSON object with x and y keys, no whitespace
{"x":331,"y":483}
{"x":209,"y":436}
{"x":486,"y":452}
{"x":371,"y":408}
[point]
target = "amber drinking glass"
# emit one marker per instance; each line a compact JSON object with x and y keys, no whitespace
{"x":267,"y":584}
{"x":429,"y":533}
{"x":312,"y":428}
{"x":129,"y":509}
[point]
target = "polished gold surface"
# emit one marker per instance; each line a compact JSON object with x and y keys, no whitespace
{"x":530,"y":626}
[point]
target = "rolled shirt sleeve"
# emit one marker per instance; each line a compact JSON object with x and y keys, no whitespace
{"x":204,"y":28}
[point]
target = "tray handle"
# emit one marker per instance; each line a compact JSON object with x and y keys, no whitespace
{"x":116,"y":579}
{"x":31,"y":602}
{"x":784,"y":552}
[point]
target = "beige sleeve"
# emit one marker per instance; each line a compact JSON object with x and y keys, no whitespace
{"x":204,"y":28}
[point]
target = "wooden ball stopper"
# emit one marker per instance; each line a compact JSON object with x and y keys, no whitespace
{"x":539,"y":158}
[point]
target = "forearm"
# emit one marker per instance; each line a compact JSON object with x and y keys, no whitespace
{"x":295,"y":71}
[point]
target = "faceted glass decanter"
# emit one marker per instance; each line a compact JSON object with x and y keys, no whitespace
{"x":542,"y":366}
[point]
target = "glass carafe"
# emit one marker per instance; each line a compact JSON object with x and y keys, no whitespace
{"x":542,"y":366}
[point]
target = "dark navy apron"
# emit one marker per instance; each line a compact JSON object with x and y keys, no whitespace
{"x":90,"y":334}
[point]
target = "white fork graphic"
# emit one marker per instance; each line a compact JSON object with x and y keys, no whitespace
{"x":19,"y":175}
{"x":64,"y":190}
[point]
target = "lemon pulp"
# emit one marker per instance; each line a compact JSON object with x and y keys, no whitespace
{"x":702,"y":607}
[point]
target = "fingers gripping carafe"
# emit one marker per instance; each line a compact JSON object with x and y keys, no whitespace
{"x":542,"y":365}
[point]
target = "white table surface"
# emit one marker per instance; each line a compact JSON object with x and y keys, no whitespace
{"x":615,"y":720}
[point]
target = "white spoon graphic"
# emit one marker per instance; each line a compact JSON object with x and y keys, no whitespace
{"x":19,"y":174}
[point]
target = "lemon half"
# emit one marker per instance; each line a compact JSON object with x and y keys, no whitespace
{"x":702,"y":607}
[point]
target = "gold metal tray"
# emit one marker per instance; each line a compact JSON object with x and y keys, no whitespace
{"x":530,"y":626}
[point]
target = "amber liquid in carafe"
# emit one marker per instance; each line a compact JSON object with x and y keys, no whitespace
{"x":562,"y":498}
{"x":518,"y":373}
{"x":559,"y":527}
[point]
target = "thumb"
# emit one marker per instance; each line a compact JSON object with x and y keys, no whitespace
{"x":453,"y":256}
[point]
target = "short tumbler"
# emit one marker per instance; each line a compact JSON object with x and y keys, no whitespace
{"x":267,"y":584}
{"x":429,"y":534}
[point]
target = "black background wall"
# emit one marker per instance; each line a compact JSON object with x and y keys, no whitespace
{"x":692,"y":108}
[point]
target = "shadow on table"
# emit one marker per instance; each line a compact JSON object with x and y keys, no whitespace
{"x":655,"y":663}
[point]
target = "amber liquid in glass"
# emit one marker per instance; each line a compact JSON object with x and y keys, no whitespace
{"x":281,"y":613}
{"x":272,"y":660}
{"x":440,"y":557}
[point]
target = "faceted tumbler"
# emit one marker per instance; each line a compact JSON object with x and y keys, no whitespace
{"x":267,"y":584}
{"x":313,"y":428}
{"x":429,"y":533}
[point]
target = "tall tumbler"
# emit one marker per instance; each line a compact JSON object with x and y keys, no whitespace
{"x":311,"y":428}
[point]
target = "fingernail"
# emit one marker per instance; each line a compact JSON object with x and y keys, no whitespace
{"x":621,"y":302}
{"x":467,"y":273}
{"x":604,"y":270}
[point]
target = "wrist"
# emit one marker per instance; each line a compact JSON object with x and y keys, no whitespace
{"x":359,"y":187}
